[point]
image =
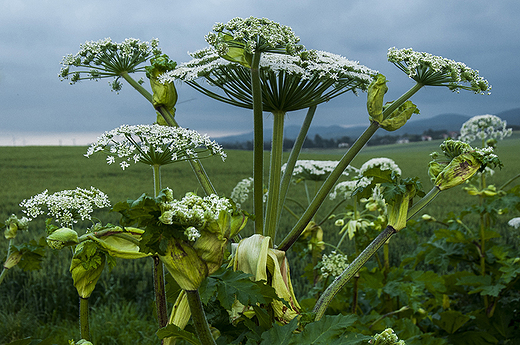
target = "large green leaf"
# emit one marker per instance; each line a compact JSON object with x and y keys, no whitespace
{"x":325,"y":331}
{"x":174,"y":331}
{"x":451,"y":320}
{"x":280,"y":335}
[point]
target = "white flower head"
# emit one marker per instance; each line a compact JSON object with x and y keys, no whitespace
{"x":514,"y":222}
{"x":429,"y":69}
{"x":382,"y":163}
{"x":240,"y":193}
{"x":153,"y":145}
{"x":253,"y":34}
{"x":66,"y":206}
{"x":482,"y":127}
{"x":296,"y":82}
{"x":316,"y":170}
{"x":194,"y":211}
{"x":333,"y":264}
{"x":108,"y":59}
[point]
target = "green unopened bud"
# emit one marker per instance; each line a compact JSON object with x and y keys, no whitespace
{"x":376,"y":93}
{"x":85,"y":279}
{"x":399,"y":117}
{"x":236,"y":52}
{"x":398,"y":209}
{"x":62,"y":238}
{"x":387,"y":337}
{"x":13,"y":224}
{"x":435,"y":168}
{"x":13,"y":259}
{"x":183,"y":263}
{"x":164,"y":94}
{"x":121,"y":243}
{"x":459,"y":170}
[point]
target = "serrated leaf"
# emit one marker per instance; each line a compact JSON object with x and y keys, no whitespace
{"x":280,"y":335}
{"x":327,"y":329}
{"x":174,"y":331}
{"x":231,"y":284}
{"x":473,"y":338}
{"x":451,"y":320}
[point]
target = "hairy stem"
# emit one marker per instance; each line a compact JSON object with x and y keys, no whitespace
{"x":199,"y":318}
{"x":84,"y":327}
{"x":258,"y":144}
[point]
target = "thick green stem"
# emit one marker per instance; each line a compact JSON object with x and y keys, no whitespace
{"x":327,"y":186}
{"x":199,"y":318}
{"x":137,"y":86}
{"x":400,"y":101}
{"x":156,"y":180}
{"x":160,"y":291}
{"x":275,"y":172}
{"x":84,"y":328}
{"x":362,"y":258}
{"x":351,"y":271}
{"x":423,"y":202}
{"x":293,"y":158}
{"x":258,"y":144}
{"x":4,"y":270}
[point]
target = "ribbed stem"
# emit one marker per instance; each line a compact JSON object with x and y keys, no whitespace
{"x":4,"y":270}
{"x":137,"y":86}
{"x":423,"y":202}
{"x":199,"y":318}
{"x":327,"y":186}
{"x":275,"y":172}
{"x":84,"y":327}
{"x":400,"y":101}
{"x":351,"y":271}
{"x":258,"y":144}
{"x":293,"y":158}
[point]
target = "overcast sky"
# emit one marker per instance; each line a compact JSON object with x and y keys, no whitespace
{"x":36,"y":34}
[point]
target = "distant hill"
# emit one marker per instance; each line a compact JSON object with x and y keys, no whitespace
{"x":449,"y":122}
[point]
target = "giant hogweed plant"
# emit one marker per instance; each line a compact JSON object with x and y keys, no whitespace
{"x":233,"y":289}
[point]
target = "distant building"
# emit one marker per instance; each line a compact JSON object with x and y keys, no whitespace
{"x":343,"y":145}
{"x":426,"y":138}
{"x":403,"y":141}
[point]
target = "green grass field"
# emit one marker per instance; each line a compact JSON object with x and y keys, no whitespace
{"x":44,"y":302}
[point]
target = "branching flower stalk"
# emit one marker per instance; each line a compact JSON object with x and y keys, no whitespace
{"x":426,"y":70}
{"x":460,"y":163}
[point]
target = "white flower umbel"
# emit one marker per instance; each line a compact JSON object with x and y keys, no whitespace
{"x":382,"y":163}
{"x":108,"y":59}
{"x":153,"y":145}
{"x":67,"y":206}
{"x":514,"y":222}
{"x":428,"y":69}
{"x":333,"y":264}
{"x":315,"y":170}
{"x":288,"y":82}
{"x":194,"y":211}
{"x":240,"y":193}
{"x":483,"y":127}
{"x":253,"y":34}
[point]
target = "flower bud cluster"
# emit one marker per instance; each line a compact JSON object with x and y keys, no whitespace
{"x":387,"y":337}
{"x":515,"y":222}
{"x":333,"y":264}
{"x":484,"y":126}
{"x":66,"y":206}
{"x":194,"y":211}
{"x":429,"y":69}
{"x":13,"y":224}
{"x":153,"y":145}
{"x":343,"y":190}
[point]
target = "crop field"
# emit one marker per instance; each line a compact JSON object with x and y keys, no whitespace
{"x":44,"y":302}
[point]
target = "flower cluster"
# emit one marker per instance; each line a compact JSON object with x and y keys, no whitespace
{"x":13,"y":224}
{"x":153,"y":145}
{"x":316,"y":170}
{"x":193,"y":211}
{"x":484,"y":126}
{"x":66,"y":206}
{"x":240,"y":193}
{"x":253,"y":34}
{"x":343,"y":190}
{"x":319,"y":75}
{"x":428,"y":69}
{"x":106,"y":59}
{"x":514,"y":222}
{"x":387,"y":337}
{"x":333,"y":264}
{"x":381,"y":163}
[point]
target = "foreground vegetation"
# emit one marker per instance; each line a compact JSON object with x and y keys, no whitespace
{"x":42,"y":304}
